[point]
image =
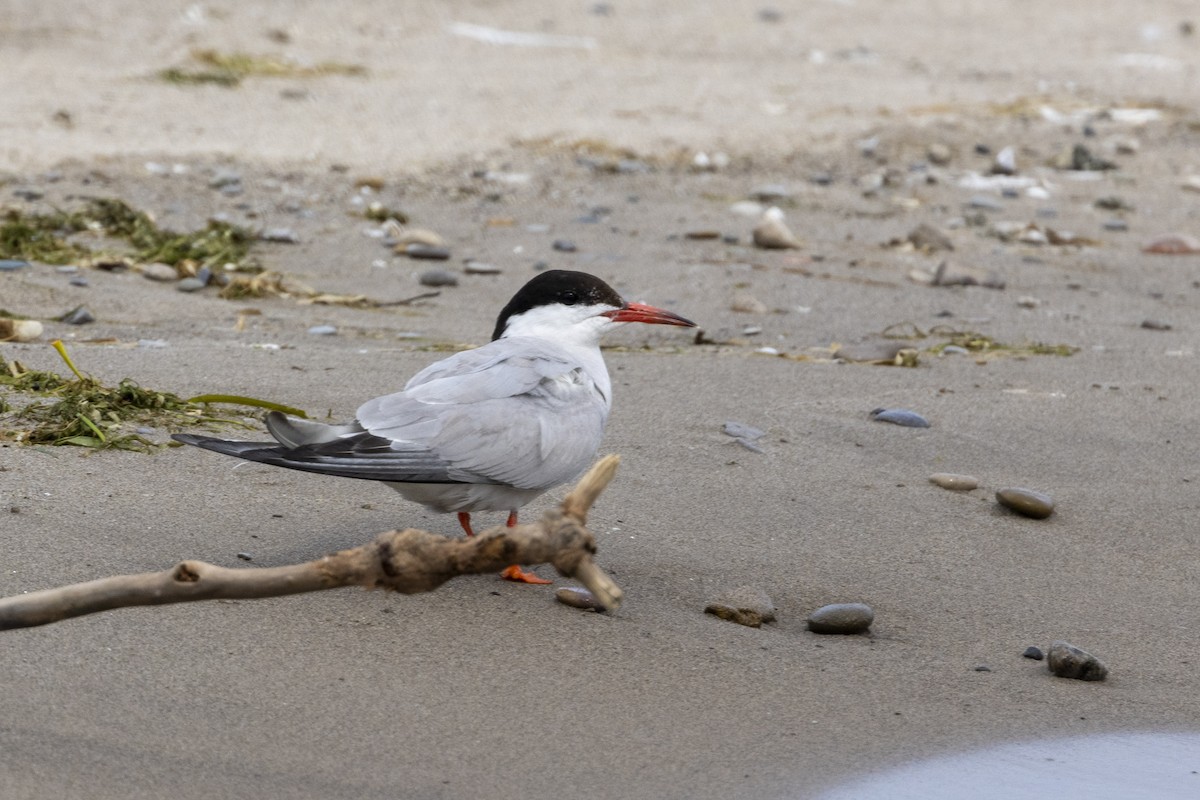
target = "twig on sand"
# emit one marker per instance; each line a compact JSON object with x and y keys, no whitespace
{"x":408,"y":561}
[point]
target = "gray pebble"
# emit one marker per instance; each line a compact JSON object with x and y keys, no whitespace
{"x":190,"y":285}
{"x":927,"y":237}
{"x":322,"y":330}
{"x":1068,"y":661}
{"x":1156,"y":325}
{"x":438,"y":277}
{"x":280,"y":235}
{"x":1026,"y":502}
{"x":771,"y":193}
{"x":480,"y":268}
{"x":1034,"y":653}
{"x":985,"y":203}
{"x":740,"y":430}
{"x":956,"y":483}
{"x":900,"y":416}
{"x":841,"y":618}
{"x":745,"y":605}
{"x":576,"y":597}
{"x":1115,"y":225}
{"x":564,"y":246}
{"x":79,"y":280}
{"x":223,"y":178}
{"x":12,"y":264}
{"x":955,"y":350}
{"x":428,"y":253}
{"x":78,"y":316}
{"x":245,"y":556}
{"x":158,"y":271}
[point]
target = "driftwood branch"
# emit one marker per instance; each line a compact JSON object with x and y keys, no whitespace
{"x":408,"y":561}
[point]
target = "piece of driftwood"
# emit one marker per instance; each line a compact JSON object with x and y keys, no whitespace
{"x":408,"y":561}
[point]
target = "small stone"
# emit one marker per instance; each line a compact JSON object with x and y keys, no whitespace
{"x":425,"y":252}
{"x":245,"y":556}
{"x":223,"y":178}
{"x":322,"y":330}
{"x":1005,"y":162}
{"x":745,"y":605}
{"x":747,"y":304}
{"x":158,"y":271}
{"x":928,"y":238}
{"x":78,"y":316}
{"x":1172,"y":244}
{"x":280,"y":235}
{"x":951,"y":275}
{"x":79,"y":280}
{"x":841,"y":618}
{"x":702,"y":235}
{"x":564,"y":246}
{"x":1116,"y":224}
{"x":1034,"y":653}
{"x":19,"y":330}
{"x":770,"y":193}
{"x":939,"y":154}
{"x":1028,"y":301}
{"x":438,"y":277}
{"x":772,"y":234}
{"x":983,"y":668}
{"x":899,"y":416}
{"x":12,"y":264}
{"x":191,"y":284}
{"x":985,"y":203}
{"x":472,"y":267}
{"x":953,"y":482}
{"x":576,"y":597}
{"x":406,"y":236}
{"x":1068,"y":661}
{"x":1156,"y":325}
{"x":1026,"y":502}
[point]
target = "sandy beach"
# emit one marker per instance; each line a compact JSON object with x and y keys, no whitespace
{"x":640,"y":133}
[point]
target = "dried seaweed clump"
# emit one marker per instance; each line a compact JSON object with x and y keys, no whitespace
{"x":229,"y":69}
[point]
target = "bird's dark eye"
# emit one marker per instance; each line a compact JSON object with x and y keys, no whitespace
{"x":569,"y":298}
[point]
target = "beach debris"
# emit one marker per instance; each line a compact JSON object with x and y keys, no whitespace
{"x":872,"y":352}
{"x":1155,"y":325}
{"x":1033,"y":652}
{"x":745,"y":605}
{"x":1026,"y":502}
{"x":948,"y":274}
{"x":1078,"y":158}
{"x":1068,"y":661}
{"x":771,"y":193}
{"x":702,"y":235}
{"x":424,"y":252}
{"x":437,"y":277}
{"x":929,"y":239}
{"x":841,"y":618}
{"x":939,"y":154}
{"x":771,"y":233}
{"x":400,"y":237}
{"x":899,"y":416}
{"x":746,"y":303}
{"x":473,"y":267}
{"x":954,"y":482}
{"x":323,"y":330}
{"x":745,"y":435}
{"x":279,"y":236}
{"x":19,"y":330}
{"x":408,"y":561}
{"x":79,"y":315}
{"x":1172,"y":244}
{"x":1005,"y":162}
{"x":12,"y":264}
{"x":576,"y":597}
{"x":158,"y":271}
{"x":564,"y":246}
{"x":483,"y":33}
{"x":229,"y":69}
{"x":245,"y":556}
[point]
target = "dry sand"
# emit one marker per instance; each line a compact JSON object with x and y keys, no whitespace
{"x":486,"y":689}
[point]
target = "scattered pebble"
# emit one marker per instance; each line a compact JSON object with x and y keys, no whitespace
{"x":191,"y":284}
{"x":702,"y":235}
{"x":745,"y":605}
{"x":1156,"y":325}
{"x":424,"y":251}
{"x":1005,"y":162}
{"x":19,"y":330}
{"x":929,"y":239}
{"x":1080,"y":159}
{"x":1026,"y":502}
{"x":78,"y":316}
{"x":1034,"y":653}
{"x":772,"y":234}
{"x":841,"y":618}
{"x":158,"y":271}
{"x":747,"y":304}
{"x":12,"y":264}
{"x":322,"y":330}
{"x":771,"y":193}
{"x":1172,"y":244}
{"x":245,"y":556}
{"x":79,"y":280}
{"x":564,"y":246}
{"x":577,"y":597}
{"x":951,"y":275}
{"x":939,"y":154}
{"x":982,"y":668}
{"x":438,"y":277}
{"x":1068,"y":661}
{"x":747,"y":208}
{"x":223,"y":178}
{"x":280,"y":235}
{"x":472,"y":267}
{"x":985,"y":203}
{"x":899,"y":416}
{"x":953,"y":482}
{"x":1027,"y":301}
{"x":1115,"y":225}
{"x":405,"y":236}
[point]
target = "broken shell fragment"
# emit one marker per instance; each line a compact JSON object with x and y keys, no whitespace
{"x":19,"y":330}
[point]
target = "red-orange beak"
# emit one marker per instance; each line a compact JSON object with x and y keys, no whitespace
{"x":640,"y":312}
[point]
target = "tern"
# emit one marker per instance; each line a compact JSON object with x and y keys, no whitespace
{"x":487,"y":429}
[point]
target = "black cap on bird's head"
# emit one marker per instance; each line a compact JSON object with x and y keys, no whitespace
{"x":570,"y":288}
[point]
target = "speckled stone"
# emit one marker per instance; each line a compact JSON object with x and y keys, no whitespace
{"x":841,"y":618}
{"x":955,"y":483}
{"x":575,"y":597}
{"x":1068,"y":661}
{"x":744,"y":605}
{"x":1026,"y":502}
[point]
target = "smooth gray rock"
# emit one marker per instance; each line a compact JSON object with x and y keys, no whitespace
{"x":1026,"y":502}
{"x":841,"y":618}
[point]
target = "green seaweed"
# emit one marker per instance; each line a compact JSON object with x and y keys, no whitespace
{"x":229,"y":69}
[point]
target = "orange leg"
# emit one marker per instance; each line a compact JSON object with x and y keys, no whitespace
{"x":515,"y":573}
{"x":464,"y":519}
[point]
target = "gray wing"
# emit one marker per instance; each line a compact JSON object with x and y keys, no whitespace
{"x":520,"y":412}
